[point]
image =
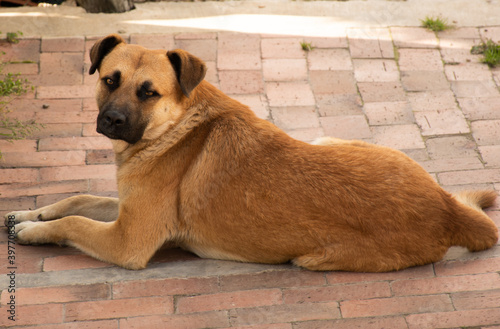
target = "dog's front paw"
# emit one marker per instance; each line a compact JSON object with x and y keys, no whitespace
{"x":17,"y":217}
{"x":31,"y":233}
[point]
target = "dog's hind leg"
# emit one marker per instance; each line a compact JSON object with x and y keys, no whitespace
{"x":360,"y":257}
{"x":98,"y":208}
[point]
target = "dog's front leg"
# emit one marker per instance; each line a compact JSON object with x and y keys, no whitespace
{"x":121,"y":242}
{"x":99,"y":208}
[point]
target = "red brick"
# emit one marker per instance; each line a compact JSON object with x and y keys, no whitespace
{"x":370,"y":43}
{"x":100,"y":157}
{"x":191,"y":321}
{"x":164,"y":287}
{"x":289,"y":94}
{"x":74,"y":143}
{"x":486,"y":132}
{"x":329,"y":59}
{"x":432,"y":100}
{"x":338,"y":105}
{"x":18,"y":190}
{"x":66,"y":117}
{"x":24,"y":264}
{"x":90,"y":104}
{"x":381,"y":91}
{"x":59,"y":130}
{"x":389,"y":113}
{"x":480,"y":108}
{"x":417,"y":59}
{"x":89,"y":130}
{"x":273,"y":279}
{"x":346,"y":127}
{"x":61,"y":294}
{"x":337,"y":292}
{"x":395,"y":305}
{"x":483,"y":88}
{"x":306,"y":134}
{"x":470,"y":266}
{"x":490,"y":155}
{"x":451,"y":164}
{"x":265,"y":326}
{"x":103,"y":185}
{"x":60,"y":44}
{"x":17,"y":203}
{"x":328,"y":42}
{"x":241,"y":82}
{"x":53,"y":105}
{"x":333,"y":82}
{"x":18,"y":175}
{"x":206,"y":49}
{"x":104,"y":324}
{"x":446,"y":284}
{"x":25,"y":50}
{"x":469,"y":177}
{"x":400,"y":137}
{"x":371,"y":70}
{"x":46,"y":199}
{"x":410,"y":273}
{"x":257,"y":103}
{"x":424,"y":81}
{"x":467,"y":72}
{"x":295,"y":117}
{"x":71,"y":262}
{"x":367,"y":323}
{"x":18,"y":146}
{"x":43,"y":159}
{"x":282,"y":48}
{"x":77,"y":172}
{"x":118,"y":308}
{"x":458,"y":319}
{"x":284,"y":313}
{"x":454,"y":147}
{"x":284,"y":69}
{"x":64,"y":92}
{"x":58,"y":69}
{"x":447,"y":122}
{"x":154,"y":41}
{"x":229,"y":300}
{"x":195,"y":36}
{"x":476,"y":299}
{"x":413,"y":37}
{"x":34,"y":315}
{"x":23,"y":69}
{"x":238,"y":51}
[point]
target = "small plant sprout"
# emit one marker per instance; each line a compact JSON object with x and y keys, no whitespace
{"x":306,"y":46}
{"x":435,"y":24}
{"x":490,"y":51}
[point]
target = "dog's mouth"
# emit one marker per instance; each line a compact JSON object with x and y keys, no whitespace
{"x":119,"y":129}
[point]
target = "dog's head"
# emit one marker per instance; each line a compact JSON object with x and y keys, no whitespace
{"x":141,"y":92}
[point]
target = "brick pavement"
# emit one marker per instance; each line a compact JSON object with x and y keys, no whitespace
{"x":406,"y":88}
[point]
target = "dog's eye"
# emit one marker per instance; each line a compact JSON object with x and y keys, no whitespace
{"x":109,"y":81}
{"x":149,"y":93}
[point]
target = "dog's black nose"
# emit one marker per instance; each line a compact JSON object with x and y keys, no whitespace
{"x":114,"y":118}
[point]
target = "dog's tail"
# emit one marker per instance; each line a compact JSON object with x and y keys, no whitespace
{"x":475,"y":231}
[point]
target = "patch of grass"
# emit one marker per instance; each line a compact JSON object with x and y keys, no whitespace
{"x":306,"y":46}
{"x":490,"y":51}
{"x":13,"y":37}
{"x":435,"y":24}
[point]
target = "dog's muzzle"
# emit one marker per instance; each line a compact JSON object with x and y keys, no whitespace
{"x":119,"y":124}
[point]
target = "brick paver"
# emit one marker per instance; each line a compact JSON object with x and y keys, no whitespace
{"x":407,"y":88}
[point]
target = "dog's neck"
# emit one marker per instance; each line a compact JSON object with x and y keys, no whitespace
{"x":147,"y":149}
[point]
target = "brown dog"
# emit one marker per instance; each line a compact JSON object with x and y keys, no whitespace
{"x":200,"y":170}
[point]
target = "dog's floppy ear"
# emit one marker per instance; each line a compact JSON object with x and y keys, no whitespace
{"x":189,"y":69}
{"x":101,"y":48}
